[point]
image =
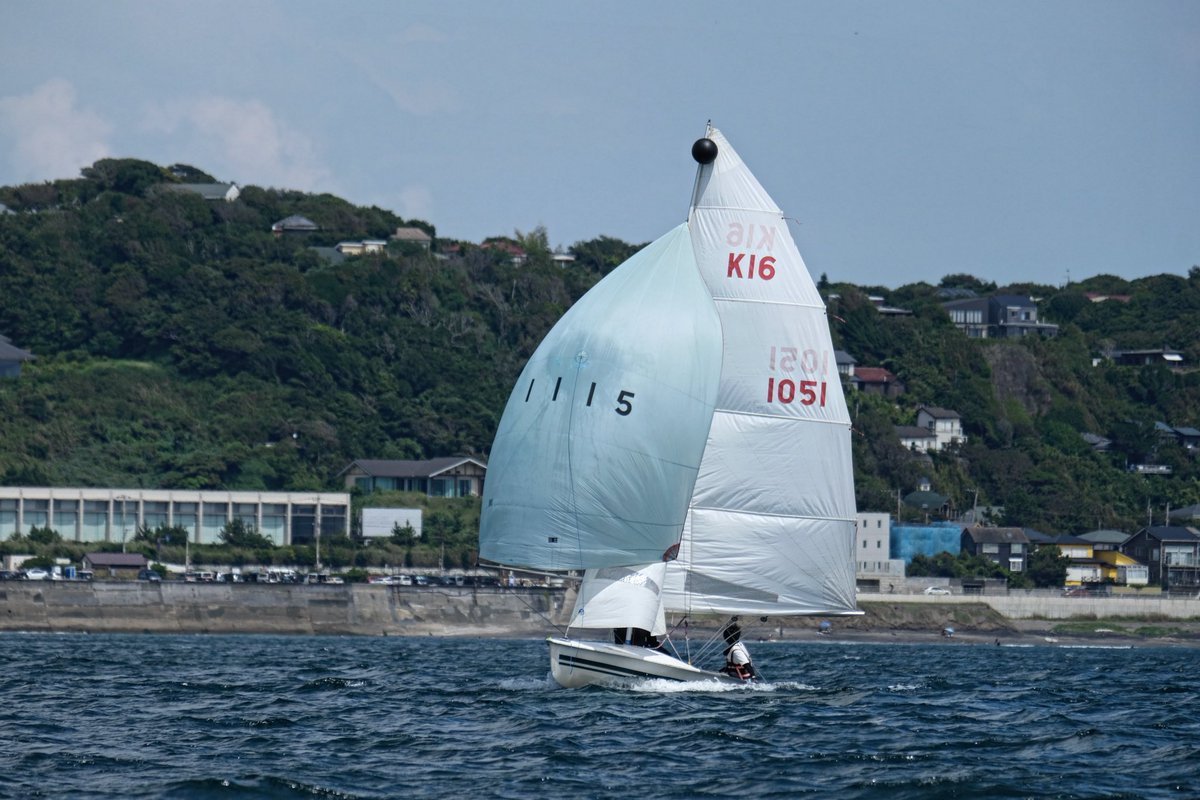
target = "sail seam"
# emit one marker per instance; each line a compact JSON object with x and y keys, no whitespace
{"x":735,"y":412}
{"x":730,"y":299}
{"x":746,"y":513}
{"x":742,"y":209}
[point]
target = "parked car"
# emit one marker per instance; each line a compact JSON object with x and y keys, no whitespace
{"x":936,"y":590}
{"x":10,"y":575}
{"x":149,"y":575}
{"x":35,"y":574}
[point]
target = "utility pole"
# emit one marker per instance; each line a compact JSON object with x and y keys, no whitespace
{"x":123,"y":499}
{"x":317,"y":528}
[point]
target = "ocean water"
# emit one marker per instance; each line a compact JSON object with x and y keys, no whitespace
{"x":147,"y":716}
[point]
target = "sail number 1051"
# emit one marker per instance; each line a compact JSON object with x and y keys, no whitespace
{"x":807,"y":391}
{"x":786,"y":390}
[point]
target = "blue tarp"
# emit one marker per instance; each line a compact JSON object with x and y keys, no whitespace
{"x":928,"y":540}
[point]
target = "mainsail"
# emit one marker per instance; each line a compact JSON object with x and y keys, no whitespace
{"x":689,"y":402}
{"x":771,"y":524}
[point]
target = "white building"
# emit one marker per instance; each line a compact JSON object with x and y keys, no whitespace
{"x":114,"y":515}
{"x":944,"y":424}
{"x":874,"y":568}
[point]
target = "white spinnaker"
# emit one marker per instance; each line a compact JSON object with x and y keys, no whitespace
{"x":771,"y":526}
{"x":596,"y":456}
{"x":622,"y":597}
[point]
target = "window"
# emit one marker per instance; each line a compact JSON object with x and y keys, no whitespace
{"x":1015,"y":564}
{"x":1017,"y":547}
{"x":989,"y":548}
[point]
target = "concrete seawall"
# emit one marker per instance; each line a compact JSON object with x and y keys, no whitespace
{"x":1035,"y":606}
{"x":378,"y":610}
{"x":360,"y":609}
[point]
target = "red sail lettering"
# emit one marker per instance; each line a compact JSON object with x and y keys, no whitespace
{"x":735,"y":265}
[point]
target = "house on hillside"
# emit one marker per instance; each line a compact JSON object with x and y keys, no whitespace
{"x":11,"y":358}
{"x":915,"y":438}
{"x":1114,"y":566}
{"x":1001,"y":316}
{"x":1105,"y":539}
{"x":458,"y":476}
{"x":361,"y":248}
{"x":416,"y":236}
{"x":886,"y":310}
{"x":228,"y":192}
{"x":929,"y":502}
{"x":1168,"y":357}
{"x":845,"y":363}
{"x":1084,"y":566}
{"x":1171,"y":554}
{"x":1188,"y":515}
{"x":1186,"y":437}
{"x":295,"y":224}
{"x":877,"y":380}
{"x":946,"y":425}
{"x":516,"y":255}
{"x":1008,"y":547}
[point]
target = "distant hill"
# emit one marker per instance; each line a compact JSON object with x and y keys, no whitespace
{"x":179,"y":342}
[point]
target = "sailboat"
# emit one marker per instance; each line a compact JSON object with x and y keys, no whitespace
{"x":680,"y":436}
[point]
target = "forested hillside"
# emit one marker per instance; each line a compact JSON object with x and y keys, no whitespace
{"x":179,"y":343}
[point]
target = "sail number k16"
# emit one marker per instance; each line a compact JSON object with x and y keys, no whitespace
{"x":624,"y":402}
{"x":808,"y":392}
{"x":750,"y":265}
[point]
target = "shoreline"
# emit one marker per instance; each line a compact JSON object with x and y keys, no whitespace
{"x":535,"y":612}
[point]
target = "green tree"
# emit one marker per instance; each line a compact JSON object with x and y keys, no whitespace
{"x":44,"y":536}
{"x":237,"y":533}
{"x":1047,"y":566}
{"x":403,"y":536}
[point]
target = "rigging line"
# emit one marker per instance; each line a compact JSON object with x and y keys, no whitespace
{"x":549,"y":622}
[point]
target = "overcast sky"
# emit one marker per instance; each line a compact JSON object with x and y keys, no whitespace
{"x":1013,"y":140}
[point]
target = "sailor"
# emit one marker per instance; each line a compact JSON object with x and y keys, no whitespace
{"x":737,"y":657}
{"x":638,"y":637}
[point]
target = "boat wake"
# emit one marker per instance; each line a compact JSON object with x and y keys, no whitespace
{"x":528,"y":684}
{"x":661,"y":686}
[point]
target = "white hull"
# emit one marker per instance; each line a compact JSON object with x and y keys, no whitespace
{"x":577,"y":663}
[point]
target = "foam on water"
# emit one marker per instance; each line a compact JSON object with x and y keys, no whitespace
{"x":117,"y":716}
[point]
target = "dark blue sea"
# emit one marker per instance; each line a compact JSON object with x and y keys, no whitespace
{"x":152,"y":716}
